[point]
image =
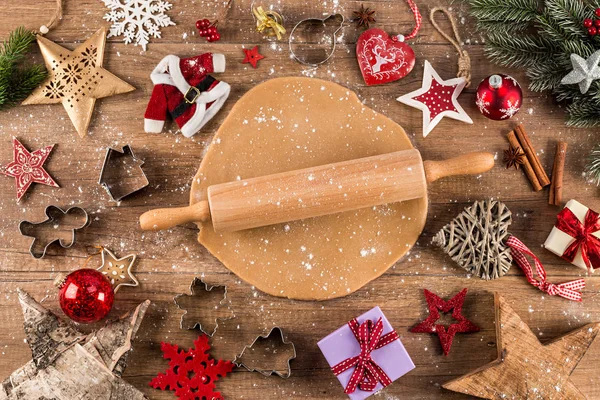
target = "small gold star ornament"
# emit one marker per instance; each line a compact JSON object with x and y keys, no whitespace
{"x":76,"y":79}
{"x":118,"y":270}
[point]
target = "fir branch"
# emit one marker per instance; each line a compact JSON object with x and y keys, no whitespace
{"x":583,"y":114}
{"x":505,"y":10}
{"x":556,"y":32}
{"x":501,"y":28}
{"x":546,"y":75}
{"x":518,"y":51}
{"x":593,"y":167}
{"x":569,"y":15}
{"x":16,"y":82}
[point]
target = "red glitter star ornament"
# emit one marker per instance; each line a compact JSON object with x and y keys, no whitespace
{"x":192,"y":374}
{"x":252,"y":56}
{"x":28,"y":168}
{"x":437,"y":98}
{"x":436,"y":304}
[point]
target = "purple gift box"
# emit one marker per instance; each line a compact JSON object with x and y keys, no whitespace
{"x":342,"y":344}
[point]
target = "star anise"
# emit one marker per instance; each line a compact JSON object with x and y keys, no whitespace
{"x":514,"y":157}
{"x":364,"y":16}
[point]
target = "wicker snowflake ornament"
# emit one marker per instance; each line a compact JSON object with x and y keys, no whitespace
{"x":475,"y":239}
{"x":76,"y":79}
{"x":137,"y":20}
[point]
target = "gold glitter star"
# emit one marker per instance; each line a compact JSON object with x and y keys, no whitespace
{"x":76,"y":79}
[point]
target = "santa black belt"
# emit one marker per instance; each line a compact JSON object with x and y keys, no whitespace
{"x":191,"y":95}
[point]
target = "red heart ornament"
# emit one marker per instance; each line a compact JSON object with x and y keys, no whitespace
{"x":383,"y":59}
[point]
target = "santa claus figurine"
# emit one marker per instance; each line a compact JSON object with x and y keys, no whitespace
{"x":183,"y":88}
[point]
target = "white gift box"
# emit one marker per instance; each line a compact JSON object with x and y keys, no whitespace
{"x":558,"y":241}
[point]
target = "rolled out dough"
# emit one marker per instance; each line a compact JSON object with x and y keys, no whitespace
{"x":292,"y":123}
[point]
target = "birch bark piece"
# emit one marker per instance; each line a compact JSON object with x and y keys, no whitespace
{"x":293,"y":123}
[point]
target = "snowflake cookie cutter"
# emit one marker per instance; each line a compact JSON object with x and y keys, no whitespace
{"x":122,"y":173}
{"x":254,"y":366}
{"x":54,"y":229}
{"x":200,"y":291}
{"x":319,"y":23}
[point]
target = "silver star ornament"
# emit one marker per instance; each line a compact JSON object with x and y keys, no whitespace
{"x":584,"y":71}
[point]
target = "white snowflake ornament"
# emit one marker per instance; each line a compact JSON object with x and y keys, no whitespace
{"x":137,"y":20}
{"x":437,"y":99}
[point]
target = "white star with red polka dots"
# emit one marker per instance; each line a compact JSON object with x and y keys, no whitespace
{"x":437,"y":99}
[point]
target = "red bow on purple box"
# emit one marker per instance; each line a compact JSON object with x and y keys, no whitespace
{"x":583,"y":234}
{"x":367,"y":373}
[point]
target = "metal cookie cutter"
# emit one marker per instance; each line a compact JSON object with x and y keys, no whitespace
{"x":316,"y":48}
{"x":54,"y":229}
{"x":194,"y":303}
{"x":255,"y":365}
{"x":122,"y":173}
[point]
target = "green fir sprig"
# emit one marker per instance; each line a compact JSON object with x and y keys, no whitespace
{"x":593,"y":166}
{"x":540,"y":36}
{"x":17,"y":81}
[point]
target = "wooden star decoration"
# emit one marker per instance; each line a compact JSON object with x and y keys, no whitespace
{"x":118,"y":270}
{"x":76,"y":79}
{"x":437,"y":98}
{"x":28,"y":167}
{"x":525,"y":368}
{"x":67,"y":364}
{"x":252,"y":56}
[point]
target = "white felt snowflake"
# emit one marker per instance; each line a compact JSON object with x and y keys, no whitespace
{"x":482,"y":104}
{"x":510,"y":110}
{"x":137,"y":20}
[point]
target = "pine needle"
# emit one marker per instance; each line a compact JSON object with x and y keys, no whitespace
{"x":593,"y":166}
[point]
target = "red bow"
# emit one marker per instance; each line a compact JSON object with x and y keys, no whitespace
{"x":568,"y":290}
{"x":582,"y":232}
{"x":367,"y":372}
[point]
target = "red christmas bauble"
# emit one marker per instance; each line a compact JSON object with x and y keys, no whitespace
{"x":86,"y":295}
{"x":499,"y":97}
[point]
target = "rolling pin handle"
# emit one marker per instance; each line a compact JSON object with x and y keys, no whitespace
{"x":165,"y":218}
{"x":467,"y":164}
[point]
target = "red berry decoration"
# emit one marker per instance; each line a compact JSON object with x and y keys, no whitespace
{"x":597,"y":12}
{"x":586,"y":22}
{"x":592,"y":31}
{"x":499,"y":97}
{"x":208,"y":30}
{"x":597,"y":23}
{"x":85,"y":295}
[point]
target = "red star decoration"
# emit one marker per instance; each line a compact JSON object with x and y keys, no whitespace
{"x":192,"y":374}
{"x":28,"y":168}
{"x":436,"y":304}
{"x":252,"y":56}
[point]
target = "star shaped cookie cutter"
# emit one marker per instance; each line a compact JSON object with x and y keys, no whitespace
{"x":268,"y":371}
{"x":200,"y":290}
{"x":53,"y":227}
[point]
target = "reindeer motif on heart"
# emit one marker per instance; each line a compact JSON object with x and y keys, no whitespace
{"x":383,"y":59}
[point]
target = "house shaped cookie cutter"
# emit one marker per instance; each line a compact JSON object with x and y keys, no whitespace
{"x":122,"y":173}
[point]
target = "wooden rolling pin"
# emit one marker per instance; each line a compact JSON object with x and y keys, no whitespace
{"x":317,"y":191}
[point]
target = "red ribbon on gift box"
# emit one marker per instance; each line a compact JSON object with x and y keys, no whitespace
{"x":568,"y":290}
{"x":583,"y":235}
{"x":367,"y":373}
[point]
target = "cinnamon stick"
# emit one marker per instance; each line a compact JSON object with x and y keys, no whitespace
{"x":557,"y":174}
{"x":531,"y":156}
{"x":529,"y":172}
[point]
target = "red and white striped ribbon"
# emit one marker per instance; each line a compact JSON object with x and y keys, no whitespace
{"x":568,"y":290}
{"x":366,"y":373}
{"x":418,"y":20}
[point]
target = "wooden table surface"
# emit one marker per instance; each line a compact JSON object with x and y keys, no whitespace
{"x":168,"y":261}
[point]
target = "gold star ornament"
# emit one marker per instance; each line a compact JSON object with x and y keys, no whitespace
{"x":525,"y":368}
{"x":118,"y":270}
{"x":76,"y":79}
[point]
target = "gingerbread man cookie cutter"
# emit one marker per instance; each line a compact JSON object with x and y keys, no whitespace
{"x":54,"y":229}
{"x":254,"y":366}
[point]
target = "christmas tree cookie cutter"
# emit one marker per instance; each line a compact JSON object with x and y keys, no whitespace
{"x":60,"y":226}
{"x":200,"y":294}
{"x":122,"y":173}
{"x":261,"y":362}
{"x":314,"y":24}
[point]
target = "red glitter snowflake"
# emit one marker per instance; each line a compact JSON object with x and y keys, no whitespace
{"x":192,"y":374}
{"x":437,"y":304}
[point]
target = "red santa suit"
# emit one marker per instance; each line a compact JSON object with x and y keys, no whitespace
{"x":183,"y":88}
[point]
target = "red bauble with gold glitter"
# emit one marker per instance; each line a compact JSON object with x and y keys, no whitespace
{"x":85,"y":295}
{"x":499,"y":97}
